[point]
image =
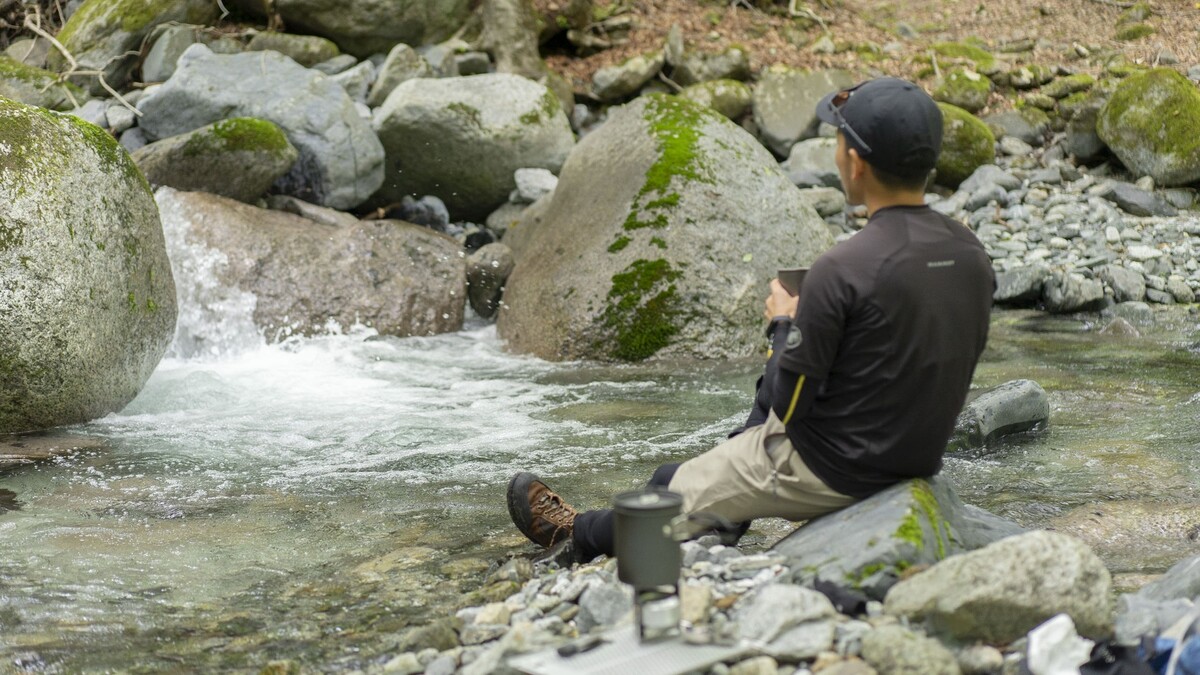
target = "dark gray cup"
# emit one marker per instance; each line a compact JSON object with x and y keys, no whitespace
{"x":648,"y":556}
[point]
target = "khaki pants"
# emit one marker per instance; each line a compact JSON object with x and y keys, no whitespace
{"x":756,"y":474}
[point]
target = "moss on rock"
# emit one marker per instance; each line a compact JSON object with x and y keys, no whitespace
{"x":641,"y":310}
{"x":967,"y":144}
{"x":1134,"y":31}
{"x":963,"y":51}
{"x":1071,"y":84}
{"x":964,"y":88}
{"x":1152,"y":123}
{"x":238,"y":134}
{"x":35,"y":86}
{"x":731,"y":98}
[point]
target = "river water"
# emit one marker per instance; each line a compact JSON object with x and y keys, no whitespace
{"x":312,"y":499}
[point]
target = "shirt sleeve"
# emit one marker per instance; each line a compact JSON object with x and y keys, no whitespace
{"x":816,"y":334}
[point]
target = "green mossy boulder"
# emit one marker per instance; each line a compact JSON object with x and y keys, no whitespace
{"x":967,"y":144}
{"x":1138,"y":13}
{"x":731,"y":98}
{"x":1135,"y":31}
{"x":1071,"y":84}
{"x":1152,"y":123}
{"x":667,"y":224}
{"x":964,"y":88}
{"x":107,"y":34}
{"x":34,"y":86}
{"x":87,"y":295}
{"x":307,"y":50}
{"x":237,"y":158}
{"x":965,"y":53}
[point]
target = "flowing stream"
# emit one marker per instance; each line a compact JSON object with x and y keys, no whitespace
{"x":310,"y":500}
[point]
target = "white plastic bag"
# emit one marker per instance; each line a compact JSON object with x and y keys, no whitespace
{"x":1056,"y":649}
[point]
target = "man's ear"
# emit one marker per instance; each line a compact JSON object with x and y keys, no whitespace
{"x":858,"y":165}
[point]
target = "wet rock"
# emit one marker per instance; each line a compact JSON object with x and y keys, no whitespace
{"x":474,"y":132}
{"x":1066,"y":292}
{"x":403,"y":63}
{"x":647,"y":239}
{"x":1121,"y":328}
{"x":1004,"y":590}
{"x":1164,"y":147}
{"x":785,"y":103}
{"x":399,"y":278}
{"x":614,"y":83}
{"x":1160,"y":533}
{"x":239,"y":158}
{"x":1010,"y":408}
{"x":341,"y":160}
{"x":84,"y":325}
{"x":869,"y":544}
{"x":1136,"y":201}
{"x":487,"y":270}
{"x":894,"y":650}
{"x":1137,"y":313}
{"x":307,"y":50}
{"x":1021,"y":285}
{"x":1127,"y":285}
{"x":18,"y":450}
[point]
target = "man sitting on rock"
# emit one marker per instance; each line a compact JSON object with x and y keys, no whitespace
{"x":864,"y":381}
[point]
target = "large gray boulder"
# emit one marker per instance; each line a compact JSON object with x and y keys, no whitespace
{"x":869,"y":545}
{"x":1010,"y":408}
{"x":106,"y":35}
{"x":341,"y":160}
{"x":1066,"y":291}
{"x":667,"y":224}
{"x":1002,"y":591}
{"x":366,"y":27}
{"x":785,"y":104}
{"x":462,"y":139}
{"x":398,"y":278}
{"x":239,"y":158}
{"x":1150,"y":124}
{"x":86,"y":290}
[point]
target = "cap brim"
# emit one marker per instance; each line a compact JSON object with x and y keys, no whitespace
{"x":825,"y":110}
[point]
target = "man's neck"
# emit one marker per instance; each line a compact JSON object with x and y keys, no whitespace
{"x":883,"y":200}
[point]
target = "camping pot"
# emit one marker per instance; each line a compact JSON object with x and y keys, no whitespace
{"x":648,"y":555}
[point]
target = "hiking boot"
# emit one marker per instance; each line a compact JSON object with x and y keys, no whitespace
{"x":538,"y":512}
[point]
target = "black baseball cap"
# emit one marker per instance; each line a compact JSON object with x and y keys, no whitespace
{"x":893,"y":124}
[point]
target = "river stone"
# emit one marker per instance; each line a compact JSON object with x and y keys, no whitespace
{"x":1150,"y":123}
{"x":895,"y":650}
{"x":633,"y":255}
{"x":990,"y":174}
{"x":341,"y":160}
{"x":777,"y":608}
{"x":532,"y":185}
{"x":171,"y":43}
{"x":398,"y":278}
{"x":487,"y":270}
{"x":604,"y":605}
{"x":1021,"y":285}
{"x":403,"y":63}
{"x":107,"y":35}
{"x":1029,"y":125}
{"x":1134,"y":535}
{"x":473,"y":134}
{"x":34,"y":86}
{"x":967,"y":144}
{"x":1066,"y":292}
{"x":813,"y":162}
{"x":1010,"y":408}
{"x":29,"y":51}
{"x":868,"y":544}
{"x":803,"y":642}
{"x":694,"y":66}
{"x":826,"y":200}
{"x":307,"y":50}
{"x":1136,"y":201}
{"x":1181,"y":581}
{"x":366,"y":27}
{"x":613,"y":83}
{"x":1002,"y":591}
{"x":731,"y":98}
{"x":318,"y":214}
{"x":357,"y":83}
{"x":239,"y":158}
{"x":785,"y":104}
{"x":86,"y":290}
{"x":1179,"y":289}
{"x":1135,"y":312}
{"x":964,"y":88}
{"x":1127,"y":285}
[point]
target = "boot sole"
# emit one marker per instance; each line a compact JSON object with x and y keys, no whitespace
{"x":518,"y":506}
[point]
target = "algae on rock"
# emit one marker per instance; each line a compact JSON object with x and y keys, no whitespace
{"x":967,"y":144}
{"x":1152,"y":123}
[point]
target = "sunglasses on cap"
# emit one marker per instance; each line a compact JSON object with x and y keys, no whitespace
{"x":839,"y":99}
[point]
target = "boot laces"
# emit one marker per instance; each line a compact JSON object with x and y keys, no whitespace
{"x":554,"y":509}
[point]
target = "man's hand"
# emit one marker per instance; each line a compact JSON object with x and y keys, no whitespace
{"x":779,"y":303}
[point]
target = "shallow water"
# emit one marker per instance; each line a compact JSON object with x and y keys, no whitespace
{"x":312,"y":499}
